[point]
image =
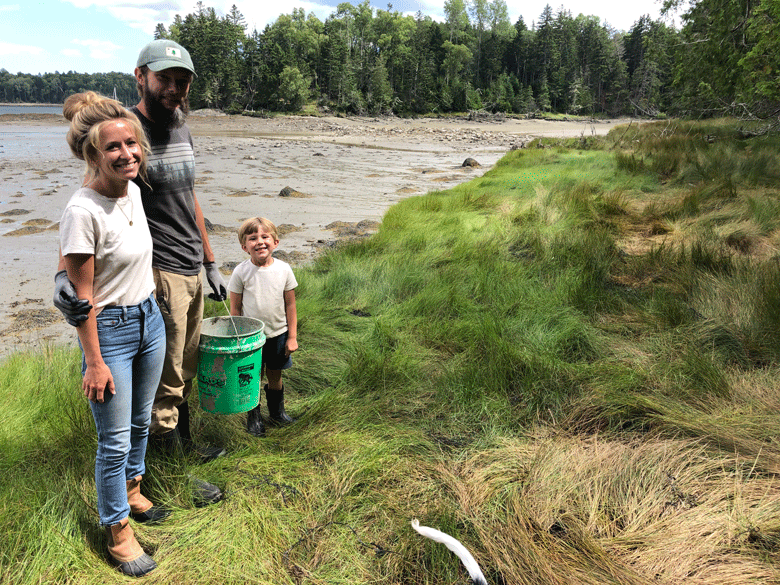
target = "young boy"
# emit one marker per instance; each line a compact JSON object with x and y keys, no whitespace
{"x":264,"y":288}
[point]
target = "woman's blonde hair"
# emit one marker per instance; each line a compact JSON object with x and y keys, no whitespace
{"x":87,"y":113}
{"x":252,"y":225}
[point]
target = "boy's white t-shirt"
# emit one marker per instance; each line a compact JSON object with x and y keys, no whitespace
{"x":94,"y":224}
{"x":262,"y":290}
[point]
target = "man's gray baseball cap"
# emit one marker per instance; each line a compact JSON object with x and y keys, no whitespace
{"x":164,"y":54}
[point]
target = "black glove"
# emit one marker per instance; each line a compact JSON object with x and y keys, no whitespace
{"x":216,"y":282}
{"x":73,"y":308}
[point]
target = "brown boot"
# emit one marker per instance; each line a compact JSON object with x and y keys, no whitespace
{"x":141,"y":509}
{"x":125,"y":551}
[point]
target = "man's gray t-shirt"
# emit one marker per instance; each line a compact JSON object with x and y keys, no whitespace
{"x":169,"y":199}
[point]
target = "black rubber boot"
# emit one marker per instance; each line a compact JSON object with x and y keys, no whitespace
{"x":276,"y":413}
{"x":204,"y":452}
{"x":172,"y":445}
{"x":153,"y":515}
{"x":183,"y":422}
{"x":254,"y":422}
{"x":204,"y":493}
{"x":168,"y":443}
{"x":141,"y":509}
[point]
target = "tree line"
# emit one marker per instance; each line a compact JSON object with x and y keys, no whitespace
{"x":53,"y":88}
{"x":722,"y":60}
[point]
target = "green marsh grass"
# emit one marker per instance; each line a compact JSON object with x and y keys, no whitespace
{"x":570,"y":364}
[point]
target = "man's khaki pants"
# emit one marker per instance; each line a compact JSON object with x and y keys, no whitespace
{"x":180,"y":299}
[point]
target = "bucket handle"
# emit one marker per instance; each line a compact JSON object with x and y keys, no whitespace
{"x":232,"y":322}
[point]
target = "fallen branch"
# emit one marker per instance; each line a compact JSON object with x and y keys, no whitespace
{"x":617,"y":143}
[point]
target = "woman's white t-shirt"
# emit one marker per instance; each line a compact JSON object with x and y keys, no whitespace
{"x":100,"y":226}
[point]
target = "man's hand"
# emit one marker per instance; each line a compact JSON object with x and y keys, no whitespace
{"x":74,"y":310}
{"x":216,"y":282}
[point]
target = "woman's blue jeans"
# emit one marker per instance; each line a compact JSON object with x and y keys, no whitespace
{"x":132,"y":343}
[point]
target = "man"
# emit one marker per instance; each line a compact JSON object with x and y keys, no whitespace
{"x":181,"y":246}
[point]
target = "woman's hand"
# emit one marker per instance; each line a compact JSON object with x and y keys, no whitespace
{"x":98,"y":379}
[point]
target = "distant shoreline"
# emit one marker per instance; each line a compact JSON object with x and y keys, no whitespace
{"x":26,"y":105}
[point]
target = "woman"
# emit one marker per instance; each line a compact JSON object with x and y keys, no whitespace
{"x":107,"y":253}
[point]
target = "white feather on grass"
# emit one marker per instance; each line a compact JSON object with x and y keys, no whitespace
{"x":455,"y":546}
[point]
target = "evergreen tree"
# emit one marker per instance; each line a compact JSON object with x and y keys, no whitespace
{"x":479,"y":12}
{"x":601,"y":74}
{"x":216,"y":47}
{"x":456,"y":18}
{"x":650,"y":77}
{"x":517,"y":57}
{"x":380,"y":94}
{"x":340,"y":75}
{"x":160,"y":32}
{"x":716,"y":37}
{"x":761,"y":82}
{"x":722,"y":60}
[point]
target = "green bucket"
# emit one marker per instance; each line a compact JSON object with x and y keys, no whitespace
{"x":229,"y":365}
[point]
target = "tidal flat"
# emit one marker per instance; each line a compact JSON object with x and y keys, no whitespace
{"x":320,"y":178}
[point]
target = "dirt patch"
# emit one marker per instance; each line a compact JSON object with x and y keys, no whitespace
{"x":28,"y":320}
{"x":25,"y":231}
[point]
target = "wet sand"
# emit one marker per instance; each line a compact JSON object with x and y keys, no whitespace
{"x":320,"y":179}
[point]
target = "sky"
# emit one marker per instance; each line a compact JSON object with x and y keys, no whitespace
{"x":100,"y":36}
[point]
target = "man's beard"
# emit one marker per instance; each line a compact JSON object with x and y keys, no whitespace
{"x":162,"y":115}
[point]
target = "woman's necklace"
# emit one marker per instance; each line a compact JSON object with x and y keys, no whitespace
{"x":100,"y":191}
{"x":130,"y":219}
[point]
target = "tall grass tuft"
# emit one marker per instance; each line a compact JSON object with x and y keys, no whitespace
{"x":570,"y":364}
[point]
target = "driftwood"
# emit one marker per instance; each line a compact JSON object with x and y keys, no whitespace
{"x":485,"y":115}
{"x":622,"y":136}
{"x":646,"y":111}
{"x":747,"y":134}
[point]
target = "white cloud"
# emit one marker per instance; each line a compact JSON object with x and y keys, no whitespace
{"x":101,"y":50}
{"x":14,"y":49}
{"x":146,"y":14}
{"x":140,"y":14}
{"x":258,"y":15}
{"x":9,"y":7}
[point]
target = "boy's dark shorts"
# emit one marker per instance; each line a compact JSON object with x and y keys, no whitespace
{"x":273,"y":353}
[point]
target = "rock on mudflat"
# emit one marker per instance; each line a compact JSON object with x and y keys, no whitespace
{"x":290,"y":192}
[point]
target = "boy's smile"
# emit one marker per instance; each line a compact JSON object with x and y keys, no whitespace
{"x":260,"y":246}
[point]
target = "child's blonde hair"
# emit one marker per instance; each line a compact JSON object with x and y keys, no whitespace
{"x":253,"y":225}
{"x":87,"y":113}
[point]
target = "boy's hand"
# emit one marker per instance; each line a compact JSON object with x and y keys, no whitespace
{"x":290,"y":346}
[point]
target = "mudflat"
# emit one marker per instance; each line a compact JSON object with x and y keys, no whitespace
{"x":320,"y":179}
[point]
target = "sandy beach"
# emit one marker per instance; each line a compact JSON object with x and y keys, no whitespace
{"x":320,"y":179}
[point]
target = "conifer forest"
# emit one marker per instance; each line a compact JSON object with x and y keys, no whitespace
{"x":722,"y":59}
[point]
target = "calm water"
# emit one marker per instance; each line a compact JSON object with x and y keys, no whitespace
{"x":30,"y":143}
{"x":16,"y":109}
{"x":38,"y":143}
